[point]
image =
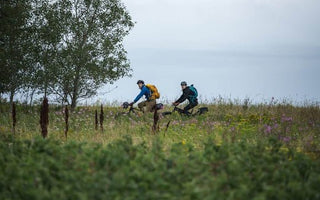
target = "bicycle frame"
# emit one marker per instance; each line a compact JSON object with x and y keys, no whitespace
{"x":133,"y":110}
{"x":200,"y":111}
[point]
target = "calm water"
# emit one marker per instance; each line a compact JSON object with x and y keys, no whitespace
{"x":257,"y":75}
{"x":292,"y":75}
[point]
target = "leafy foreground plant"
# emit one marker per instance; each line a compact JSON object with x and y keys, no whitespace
{"x":49,"y":169}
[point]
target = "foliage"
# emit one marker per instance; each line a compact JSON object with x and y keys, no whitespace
{"x":87,"y":46}
{"x":49,"y":169}
{"x":257,"y":152}
{"x":67,"y":49}
{"x":15,"y":45}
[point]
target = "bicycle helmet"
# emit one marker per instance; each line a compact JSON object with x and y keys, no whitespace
{"x":183,"y":83}
{"x":140,"y":81}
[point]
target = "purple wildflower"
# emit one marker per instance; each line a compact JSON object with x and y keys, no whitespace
{"x":286,"y":119}
{"x":285,"y":139}
{"x":174,"y":122}
{"x":267,"y":129}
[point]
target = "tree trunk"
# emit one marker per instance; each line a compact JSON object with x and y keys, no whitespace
{"x":31,"y":97}
{"x":74,"y":96}
{"x":73,"y":102}
{"x":11,"y":96}
{"x":75,"y":90}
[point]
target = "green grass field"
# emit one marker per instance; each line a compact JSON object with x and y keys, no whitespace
{"x":266,"y":151}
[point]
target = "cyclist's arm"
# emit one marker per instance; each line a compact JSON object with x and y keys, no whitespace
{"x":143,"y":91}
{"x":184,"y":96}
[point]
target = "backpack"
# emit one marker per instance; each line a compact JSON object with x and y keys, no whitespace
{"x":195,"y":93}
{"x":154,"y":91}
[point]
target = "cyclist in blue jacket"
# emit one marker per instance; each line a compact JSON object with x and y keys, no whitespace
{"x":149,"y":103}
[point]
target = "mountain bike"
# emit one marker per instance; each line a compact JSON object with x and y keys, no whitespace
{"x":133,"y":110}
{"x":200,"y":111}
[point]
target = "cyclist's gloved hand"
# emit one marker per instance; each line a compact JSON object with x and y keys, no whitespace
{"x":131,"y":104}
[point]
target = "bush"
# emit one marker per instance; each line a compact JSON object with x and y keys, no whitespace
{"x":50,"y":169}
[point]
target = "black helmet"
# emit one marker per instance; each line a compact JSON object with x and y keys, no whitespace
{"x":184,"y":83}
{"x":140,"y":81}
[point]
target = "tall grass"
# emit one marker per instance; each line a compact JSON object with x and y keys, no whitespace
{"x":235,"y":151}
{"x":294,"y":126}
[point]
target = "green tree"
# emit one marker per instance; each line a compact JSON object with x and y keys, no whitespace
{"x":47,"y":42}
{"x":85,"y":46}
{"x":15,"y":42}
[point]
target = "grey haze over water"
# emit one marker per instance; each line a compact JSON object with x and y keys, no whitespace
{"x":234,"y":48}
{"x":229,"y":74}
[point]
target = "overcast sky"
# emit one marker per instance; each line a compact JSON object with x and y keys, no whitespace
{"x":234,"y":48}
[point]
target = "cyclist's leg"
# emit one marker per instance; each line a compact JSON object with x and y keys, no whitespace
{"x":142,"y":105}
{"x":189,"y":106}
{"x":179,"y":110}
{"x":150,"y":105}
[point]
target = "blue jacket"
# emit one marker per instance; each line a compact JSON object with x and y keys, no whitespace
{"x":144,"y":91}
